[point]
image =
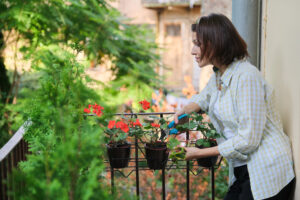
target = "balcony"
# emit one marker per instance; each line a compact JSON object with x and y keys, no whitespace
{"x":166,"y":3}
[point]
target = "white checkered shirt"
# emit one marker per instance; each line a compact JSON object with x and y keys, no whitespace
{"x":247,"y":108}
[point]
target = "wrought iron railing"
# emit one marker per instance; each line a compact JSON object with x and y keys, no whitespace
{"x":11,"y":154}
{"x":137,"y":167}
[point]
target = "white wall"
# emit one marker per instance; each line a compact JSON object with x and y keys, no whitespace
{"x":281,"y":66}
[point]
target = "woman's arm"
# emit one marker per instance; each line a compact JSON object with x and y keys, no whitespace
{"x":194,"y":152}
{"x":251,"y":109}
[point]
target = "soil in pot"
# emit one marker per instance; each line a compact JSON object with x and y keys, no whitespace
{"x":156,"y":155}
{"x":209,"y":161}
{"x":118,"y":155}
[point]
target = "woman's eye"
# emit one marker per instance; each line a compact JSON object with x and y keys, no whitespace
{"x":196,"y":43}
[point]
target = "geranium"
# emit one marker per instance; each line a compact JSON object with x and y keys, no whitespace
{"x":86,"y":110}
{"x":111,"y":124}
{"x":135,"y":124}
{"x":116,"y":132}
{"x":155,"y":125}
{"x":123,"y":126}
{"x":97,"y":109}
{"x":145,"y":104}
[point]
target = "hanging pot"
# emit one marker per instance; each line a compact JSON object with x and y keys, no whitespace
{"x":157,"y":155}
{"x":118,"y":155}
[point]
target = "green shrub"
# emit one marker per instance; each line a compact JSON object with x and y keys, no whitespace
{"x":66,"y":159}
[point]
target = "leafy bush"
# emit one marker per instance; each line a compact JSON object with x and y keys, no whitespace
{"x":66,"y":158}
{"x":89,"y":26}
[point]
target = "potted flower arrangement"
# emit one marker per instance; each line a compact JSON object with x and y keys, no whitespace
{"x":118,"y":148}
{"x":156,"y":149}
{"x":116,"y":134}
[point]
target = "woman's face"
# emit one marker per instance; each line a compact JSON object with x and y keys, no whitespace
{"x":196,"y":51}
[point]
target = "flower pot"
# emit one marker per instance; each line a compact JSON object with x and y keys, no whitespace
{"x":156,"y":155}
{"x":118,"y":155}
{"x":209,"y":161}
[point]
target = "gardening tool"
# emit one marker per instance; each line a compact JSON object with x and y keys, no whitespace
{"x":171,"y":130}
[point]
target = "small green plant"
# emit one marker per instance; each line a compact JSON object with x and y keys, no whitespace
{"x":195,"y":123}
{"x":177,"y":152}
{"x":207,"y":130}
{"x":153,"y":130}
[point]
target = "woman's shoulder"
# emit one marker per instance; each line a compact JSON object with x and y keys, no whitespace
{"x":246,"y":69}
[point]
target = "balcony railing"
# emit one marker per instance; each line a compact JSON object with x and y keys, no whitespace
{"x":11,"y":154}
{"x":165,"y":3}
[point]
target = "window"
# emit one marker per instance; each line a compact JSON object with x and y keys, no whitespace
{"x":173,"y":30}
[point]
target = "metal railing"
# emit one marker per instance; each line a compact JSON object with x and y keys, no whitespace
{"x":11,"y":154}
{"x":136,"y":160}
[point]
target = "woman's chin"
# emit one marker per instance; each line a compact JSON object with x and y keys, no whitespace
{"x":201,"y":65}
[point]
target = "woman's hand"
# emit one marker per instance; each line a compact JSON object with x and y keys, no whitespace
{"x":191,"y":107}
{"x":192,"y":153}
{"x":195,"y":153}
{"x":177,"y":114}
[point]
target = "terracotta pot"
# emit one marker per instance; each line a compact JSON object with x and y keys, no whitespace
{"x":157,"y":155}
{"x":209,"y":161}
{"x":118,"y":155}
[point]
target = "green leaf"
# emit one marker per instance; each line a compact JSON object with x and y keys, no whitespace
{"x":173,"y":142}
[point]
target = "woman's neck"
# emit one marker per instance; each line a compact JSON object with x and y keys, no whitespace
{"x":222,"y":68}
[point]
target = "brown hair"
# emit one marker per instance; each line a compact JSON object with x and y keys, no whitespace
{"x":218,"y":39}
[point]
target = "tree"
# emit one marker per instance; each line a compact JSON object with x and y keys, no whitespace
{"x":89,"y":26}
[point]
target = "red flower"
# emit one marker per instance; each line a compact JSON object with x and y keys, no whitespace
{"x":119,"y":124}
{"x":97,"y":109}
{"x":155,"y":125}
{"x":137,"y":123}
{"x":95,"y":106}
{"x":145,"y":104}
{"x":86,"y":110}
{"x":111,"y":124}
{"x":125,"y":129}
{"x":98,"y":113}
{"x":123,"y":126}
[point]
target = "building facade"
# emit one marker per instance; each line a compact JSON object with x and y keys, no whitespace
{"x":171,"y":21}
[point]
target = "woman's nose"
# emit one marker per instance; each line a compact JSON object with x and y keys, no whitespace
{"x":193,"y":52}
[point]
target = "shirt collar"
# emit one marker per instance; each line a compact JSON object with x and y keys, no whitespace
{"x":226,"y":77}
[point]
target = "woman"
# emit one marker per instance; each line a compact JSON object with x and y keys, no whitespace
{"x":240,"y":104}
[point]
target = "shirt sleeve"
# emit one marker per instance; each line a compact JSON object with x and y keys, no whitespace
{"x":203,"y":98}
{"x":251,"y":110}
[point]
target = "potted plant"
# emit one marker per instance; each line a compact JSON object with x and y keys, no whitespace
{"x":118,"y":148}
{"x":156,"y":149}
{"x":209,"y":134}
